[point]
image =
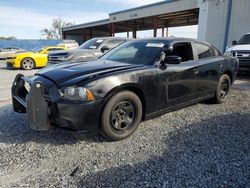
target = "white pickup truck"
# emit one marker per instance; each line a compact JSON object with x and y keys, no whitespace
{"x":241,"y":50}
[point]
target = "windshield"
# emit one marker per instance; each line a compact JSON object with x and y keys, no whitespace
{"x":37,"y":49}
{"x":139,"y":52}
{"x":245,"y":39}
{"x":91,"y":44}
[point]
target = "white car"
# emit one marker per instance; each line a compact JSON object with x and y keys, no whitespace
{"x":69,"y":44}
{"x":7,"y":51}
{"x":241,"y":50}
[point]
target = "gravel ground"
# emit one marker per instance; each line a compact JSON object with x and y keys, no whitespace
{"x":202,"y":145}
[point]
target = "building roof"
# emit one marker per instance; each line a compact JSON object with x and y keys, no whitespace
{"x":142,"y":7}
{"x":85,"y":25}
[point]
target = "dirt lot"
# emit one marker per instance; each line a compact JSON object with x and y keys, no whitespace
{"x":203,"y":145}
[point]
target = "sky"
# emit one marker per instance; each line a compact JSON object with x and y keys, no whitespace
{"x":25,"y":19}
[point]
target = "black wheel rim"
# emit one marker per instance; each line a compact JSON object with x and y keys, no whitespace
{"x":123,"y":116}
{"x":224,"y":87}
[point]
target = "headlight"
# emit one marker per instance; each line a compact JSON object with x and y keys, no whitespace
{"x":77,"y":94}
{"x":65,"y":58}
{"x":228,"y":53}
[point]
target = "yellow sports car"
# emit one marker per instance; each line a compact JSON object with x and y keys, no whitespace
{"x":31,"y":59}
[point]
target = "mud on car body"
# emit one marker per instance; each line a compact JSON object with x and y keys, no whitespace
{"x":136,"y":81}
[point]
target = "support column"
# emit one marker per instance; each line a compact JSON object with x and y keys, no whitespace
{"x":155,"y":26}
{"x":112,"y":29}
{"x":166,"y":31}
{"x":127,"y":34}
{"x":134,"y":33}
{"x":162,"y":31}
{"x":84,"y":36}
{"x":90,"y":33}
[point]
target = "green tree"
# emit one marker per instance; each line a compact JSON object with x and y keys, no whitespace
{"x":55,"y":31}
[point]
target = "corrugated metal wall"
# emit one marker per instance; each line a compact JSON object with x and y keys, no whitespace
{"x":214,"y":23}
{"x":240,"y":20}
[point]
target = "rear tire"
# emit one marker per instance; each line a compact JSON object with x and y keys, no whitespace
{"x":223,"y":88}
{"x":27,"y":63}
{"x":121,"y":116}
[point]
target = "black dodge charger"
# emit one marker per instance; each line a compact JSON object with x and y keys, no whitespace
{"x":133,"y":82}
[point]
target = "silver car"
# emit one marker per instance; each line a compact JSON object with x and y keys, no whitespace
{"x":89,"y":50}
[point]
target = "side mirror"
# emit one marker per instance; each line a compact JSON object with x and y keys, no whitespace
{"x":173,"y":59}
{"x":234,"y":42}
{"x":104,"y":49}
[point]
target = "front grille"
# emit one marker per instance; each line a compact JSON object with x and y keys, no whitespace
{"x":58,"y":58}
{"x":244,"y":59}
{"x":244,"y":55}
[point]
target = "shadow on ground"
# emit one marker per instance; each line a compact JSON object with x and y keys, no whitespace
{"x":14,"y":130}
{"x":211,"y":153}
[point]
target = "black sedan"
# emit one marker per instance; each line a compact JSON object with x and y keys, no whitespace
{"x":136,"y":81}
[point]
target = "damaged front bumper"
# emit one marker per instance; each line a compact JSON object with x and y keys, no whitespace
{"x":45,"y":108}
{"x":32,"y":102}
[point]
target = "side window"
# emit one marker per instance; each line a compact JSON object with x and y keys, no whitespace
{"x":202,"y":51}
{"x":215,"y":52}
{"x":6,"y":49}
{"x":14,"y":49}
{"x":184,"y":50}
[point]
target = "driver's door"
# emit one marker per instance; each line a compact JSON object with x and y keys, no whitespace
{"x":182,"y":79}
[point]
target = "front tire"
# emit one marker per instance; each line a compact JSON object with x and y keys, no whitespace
{"x":121,"y":116}
{"x":222,"y":89}
{"x":27,"y":63}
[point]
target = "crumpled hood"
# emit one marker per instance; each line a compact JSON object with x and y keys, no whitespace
{"x":64,"y":72}
{"x":243,"y":47}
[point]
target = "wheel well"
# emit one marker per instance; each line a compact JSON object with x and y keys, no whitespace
{"x":229,"y":73}
{"x":133,"y":89}
{"x":141,"y":96}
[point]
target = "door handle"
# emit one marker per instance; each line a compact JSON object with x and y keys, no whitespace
{"x":195,"y":71}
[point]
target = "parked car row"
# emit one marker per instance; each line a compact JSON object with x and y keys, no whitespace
{"x":90,"y":50}
{"x":135,"y":81}
{"x":42,"y":56}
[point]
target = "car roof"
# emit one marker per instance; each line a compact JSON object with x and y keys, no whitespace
{"x":170,"y":40}
{"x":104,"y":38}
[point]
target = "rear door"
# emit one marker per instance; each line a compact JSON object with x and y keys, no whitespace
{"x":210,"y":66}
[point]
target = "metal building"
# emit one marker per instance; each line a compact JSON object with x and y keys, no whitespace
{"x":219,"y":21}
